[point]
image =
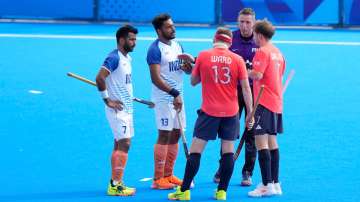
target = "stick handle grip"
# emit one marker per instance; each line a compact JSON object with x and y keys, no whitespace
{"x":146,"y":102}
{"x":81,"y":78}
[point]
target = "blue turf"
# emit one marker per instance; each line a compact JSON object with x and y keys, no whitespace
{"x":56,"y":146}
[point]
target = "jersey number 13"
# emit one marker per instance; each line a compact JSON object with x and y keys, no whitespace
{"x":226,"y":74}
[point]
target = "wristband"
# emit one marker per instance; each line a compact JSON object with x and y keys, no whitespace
{"x":174,"y":92}
{"x":104,"y":94}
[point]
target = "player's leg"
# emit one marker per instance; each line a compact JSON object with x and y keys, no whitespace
{"x":250,"y":151}
{"x":206,"y":128}
{"x":173,"y":146}
{"x":121,"y":124}
{"x":228,"y":132}
{"x":275,"y":154}
{"x":261,"y":128}
{"x":164,"y":125}
{"x":241,"y":104}
{"x":192,"y":166}
{"x":160,"y":154}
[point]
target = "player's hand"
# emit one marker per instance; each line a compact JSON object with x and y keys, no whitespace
{"x":114,"y":104}
{"x":186,"y":62}
{"x":249,"y":122}
{"x":186,"y":67}
{"x":178,"y":103}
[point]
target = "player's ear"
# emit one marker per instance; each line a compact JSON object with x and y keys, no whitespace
{"x":122,"y":41}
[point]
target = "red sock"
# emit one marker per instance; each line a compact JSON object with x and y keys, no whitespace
{"x":170,"y":159}
{"x":118,"y":162}
{"x":160,"y":152}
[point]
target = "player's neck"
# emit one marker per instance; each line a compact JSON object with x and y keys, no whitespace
{"x":165,"y":41}
{"x":246,"y":37}
{"x":220,"y":45}
{"x":122,"y":51}
{"x":265,"y":43}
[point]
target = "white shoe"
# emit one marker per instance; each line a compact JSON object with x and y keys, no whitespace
{"x":277,"y":189}
{"x":262,"y":190}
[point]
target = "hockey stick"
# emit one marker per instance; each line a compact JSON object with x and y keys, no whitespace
{"x":183,"y":138}
{"x":288,"y":79}
{"x":242,"y":140}
{"x":146,"y":102}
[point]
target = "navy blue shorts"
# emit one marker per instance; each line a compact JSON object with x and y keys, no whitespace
{"x":267,"y":122}
{"x":208,"y":127}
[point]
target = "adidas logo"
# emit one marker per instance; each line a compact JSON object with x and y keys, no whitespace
{"x":258,"y":127}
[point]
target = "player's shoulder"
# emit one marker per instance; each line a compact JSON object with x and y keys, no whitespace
{"x":236,"y":34}
{"x":154,"y":45}
{"x":205,"y":53}
{"x":234,"y":55}
{"x":113,"y":55}
{"x":264,"y":50}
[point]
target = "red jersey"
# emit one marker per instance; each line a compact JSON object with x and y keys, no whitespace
{"x":220,"y":71}
{"x":269,"y":61}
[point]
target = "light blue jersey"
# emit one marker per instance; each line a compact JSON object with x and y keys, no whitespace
{"x":166,"y":56}
{"x":118,"y":83}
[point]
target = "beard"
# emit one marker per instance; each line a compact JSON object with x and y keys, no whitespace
{"x":128,"y":48}
{"x":169,"y":36}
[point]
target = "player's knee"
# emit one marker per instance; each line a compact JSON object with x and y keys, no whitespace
{"x":122,"y":145}
{"x":164,"y":137}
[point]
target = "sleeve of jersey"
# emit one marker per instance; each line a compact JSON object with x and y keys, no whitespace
{"x":196,"y":69}
{"x":260,"y":61}
{"x":153,"y":55}
{"x":111,"y":63}
{"x":242,"y":69}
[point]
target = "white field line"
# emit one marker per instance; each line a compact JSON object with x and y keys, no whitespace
{"x":207,"y":40}
{"x":35,"y":91}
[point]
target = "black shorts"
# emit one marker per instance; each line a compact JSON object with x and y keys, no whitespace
{"x":208,"y":127}
{"x":267,"y":122}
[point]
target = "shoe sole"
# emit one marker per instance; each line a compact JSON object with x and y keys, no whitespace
{"x":122,"y":194}
{"x":259,"y":196}
{"x":162,"y":188}
{"x":245,"y":184}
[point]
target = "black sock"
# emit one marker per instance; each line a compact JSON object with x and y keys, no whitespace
{"x":275,"y":157}
{"x":192,"y":167}
{"x":265,"y":165}
{"x":226,"y":170}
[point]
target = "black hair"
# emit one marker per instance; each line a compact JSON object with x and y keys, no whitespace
{"x":159,"y":20}
{"x":124,"y":31}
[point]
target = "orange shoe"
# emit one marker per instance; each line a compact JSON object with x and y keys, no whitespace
{"x":162,"y":183}
{"x":174,"y":180}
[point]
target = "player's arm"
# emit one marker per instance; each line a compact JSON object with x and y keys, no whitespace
{"x":101,"y":85}
{"x":246,"y":91}
{"x":245,"y":88}
{"x":195,"y":80}
{"x":254,"y":75}
{"x":156,"y":78}
{"x":259,"y":65}
{"x":162,"y":85}
{"x":195,"y":75}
